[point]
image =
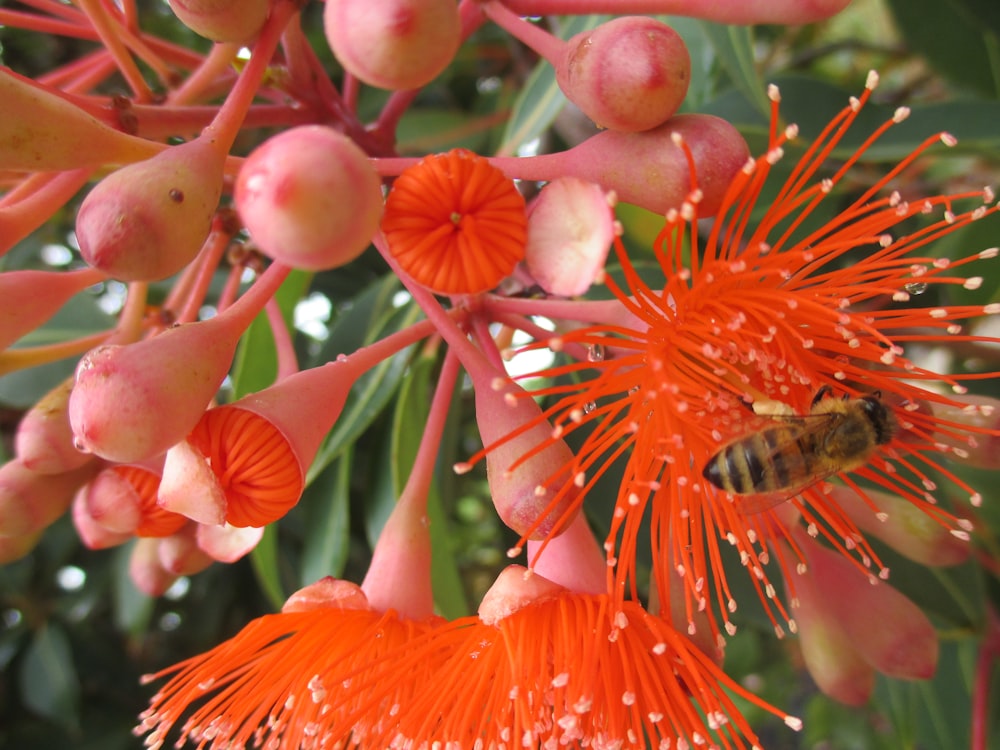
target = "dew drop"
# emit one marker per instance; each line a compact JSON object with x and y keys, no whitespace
{"x":589,"y":407}
{"x":916,"y":287}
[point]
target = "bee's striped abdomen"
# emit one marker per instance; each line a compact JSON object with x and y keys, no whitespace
{"x":771,"y":460}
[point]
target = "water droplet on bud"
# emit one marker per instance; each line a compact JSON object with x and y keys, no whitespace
{"x":595,"y":353}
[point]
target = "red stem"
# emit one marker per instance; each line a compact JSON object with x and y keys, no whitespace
{"x":19,"y":219}
{"x":545,"y":44}
{"x":226,"y":126}
{"x":283,"y":345}
{"x":989,"y":652}
{"x":111,"y":34}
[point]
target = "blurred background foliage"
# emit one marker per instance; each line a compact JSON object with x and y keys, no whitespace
{"x":75,"y":635}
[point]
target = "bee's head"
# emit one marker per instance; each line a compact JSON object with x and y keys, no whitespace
{"x":880,"y":417}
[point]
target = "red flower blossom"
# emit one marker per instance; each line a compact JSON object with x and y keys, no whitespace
{"x":455,"y":223}
{"x":547,"y":667}
{"x":284,"y":681}
{"x":770,"y":313}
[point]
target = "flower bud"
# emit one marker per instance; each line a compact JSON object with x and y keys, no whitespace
{"x":393,"y":44}
{"x":833,"y":662}
{"x":630,"y":73}
{"x":649,"y":169}
{"x":123,"y":499}
{"x":30,"y":502}
{"x":970,"y":418}
{"x":44,"y":438}
{"x":134,"y":401}
{"x":91,"y":532}
{"x":310,"y":198}
{"x":42,"y":130}
{"x":572,"y":559}
{"x":903,"y":526}
{"x":222,"y":20}
{"x":528,"y":469}
{"x":516,"y":587}
{"x":29,"y":298}
{"x":245,"y":463}
{"x":148,"y":220}
{"x":455,"y":223}
{"x":327,"y":593}
{"x":570,"y":230}
{"x":227,"y":543}
{"x":180,"y":555}
{"x":888,"y":631}
{"x":145,"y":570}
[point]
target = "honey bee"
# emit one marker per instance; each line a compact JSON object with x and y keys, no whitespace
{"x":767,"y":467}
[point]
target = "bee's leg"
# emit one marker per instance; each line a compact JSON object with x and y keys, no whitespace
{"x":822,"y":393}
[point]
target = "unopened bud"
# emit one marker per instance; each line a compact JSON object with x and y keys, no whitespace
{"x":570,"y":229}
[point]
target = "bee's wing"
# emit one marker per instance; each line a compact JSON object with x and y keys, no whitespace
{"x":793,"y":462}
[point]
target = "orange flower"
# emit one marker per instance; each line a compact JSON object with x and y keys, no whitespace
{"x":455,"y":223}
{"x":773,"y":313}
{"x":284,"y":681}
{"x":562,"y":669}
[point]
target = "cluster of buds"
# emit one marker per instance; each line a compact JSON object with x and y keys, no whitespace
{"x":732,"y":337}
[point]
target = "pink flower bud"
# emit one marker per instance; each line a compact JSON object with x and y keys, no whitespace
{"x":91,"y":532}
{"x":180,"y":555}
{"x":29,"y":298}
{"x":227,"y":543}
{"x":393,"y":44}
{"x":630,"y":73}
{"x":971,"y":418}
{"x":148,"y":220}
{"x":44,"y":438}
{"x":455,"y":223}
{"x":29,"y":502}
{"x":515,"y":588}
{"x":257,"y":450}
{"x":245,"y":463}
{"x":145,"y":570}
{"x":399,"y":575}
{"x":570,"y":230}
{"x":529,"y":471}
{"x":134,"y":401}
{"x":572,"y":559}
{"x":903,"y":526}
{"x":222,"y":20}
{"x":887,"y":630}
{"x":327,"y":593}
{"x":649,"y":169}
{"x":310,"y":198}
{"x":42,"y":130}
{"x":832,"y":660}
{"x":123,"y":499}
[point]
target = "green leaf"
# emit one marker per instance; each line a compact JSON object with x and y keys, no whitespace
{"x":952,"y":36}
{"x":49,"y":683}
{"x":266,"y":566}
{"x":541,"y":98}
{"x":255,"y":366}
{"x":733,"y":47}
{"x":327,"y":521}
{"x":429,"y":131}
{"x":372,"y":391}
{"x":811,"y":104}
{"x":132,"y":608}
